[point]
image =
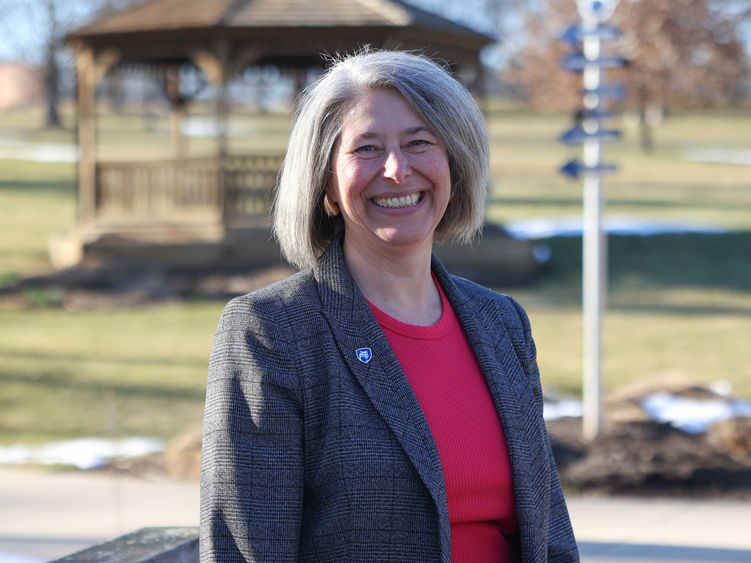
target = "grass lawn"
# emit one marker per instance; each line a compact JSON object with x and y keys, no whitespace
{"x":121,"y":373}
{"x":37,"y":200}
{"x":678,"y":305}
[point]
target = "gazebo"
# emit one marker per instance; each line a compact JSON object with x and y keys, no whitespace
{"x":224,"y":197}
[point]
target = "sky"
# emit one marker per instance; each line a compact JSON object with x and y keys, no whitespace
{"x":22,"y":20}
{"x":24,"y":26}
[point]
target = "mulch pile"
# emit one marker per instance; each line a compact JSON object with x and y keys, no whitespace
{"x":635,"y":455}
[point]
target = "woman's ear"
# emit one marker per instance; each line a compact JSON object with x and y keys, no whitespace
{"x":331,"y":207}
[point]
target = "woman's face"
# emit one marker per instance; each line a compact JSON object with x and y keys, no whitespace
{"x":390,"y":176}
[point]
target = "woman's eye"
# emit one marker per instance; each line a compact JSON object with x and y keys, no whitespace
{"x":418,"y":143}
{"x":366,"y":149}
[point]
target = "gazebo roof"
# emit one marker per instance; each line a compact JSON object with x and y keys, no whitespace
{"x":163,"y":15}
{"x":286,"y":28}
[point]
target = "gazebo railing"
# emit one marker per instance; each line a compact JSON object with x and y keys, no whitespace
{"x":209,"y":187}
{"x":249,"y":182}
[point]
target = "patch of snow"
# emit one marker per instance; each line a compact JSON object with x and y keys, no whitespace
{"x":13,"y":558}
{"x":200,"y":126}
{"x":693,"y":416}
{"x":719,"y":156}
{"x":83,"y":453}
{"x":572,"y":227}
{"x":553,"y":410}
{"x":721,"y":387}
{"x":38,"y":152}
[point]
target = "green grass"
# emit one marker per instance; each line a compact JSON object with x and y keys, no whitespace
{"x":37,"y":200}
{"x":660,"y":185}
{"x":127,"y":372}
{"x":678,"y":305}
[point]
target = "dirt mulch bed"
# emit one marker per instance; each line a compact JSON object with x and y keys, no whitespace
{"x":651,"y":458}
{"x":636,"y":455}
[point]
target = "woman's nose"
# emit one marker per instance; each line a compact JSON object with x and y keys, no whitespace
{"x":396,"y":167}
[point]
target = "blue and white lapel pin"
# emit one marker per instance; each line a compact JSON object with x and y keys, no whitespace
{"x":364,"y":355}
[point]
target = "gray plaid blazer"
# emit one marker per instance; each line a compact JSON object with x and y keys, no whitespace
{"x":311,"y":454}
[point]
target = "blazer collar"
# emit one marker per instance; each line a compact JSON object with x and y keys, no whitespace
{"x":354,"y":328}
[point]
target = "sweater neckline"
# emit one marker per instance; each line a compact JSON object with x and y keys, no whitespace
{"x":420,"y":332}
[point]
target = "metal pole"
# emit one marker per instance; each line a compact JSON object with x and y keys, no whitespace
{"x":594,"y":271}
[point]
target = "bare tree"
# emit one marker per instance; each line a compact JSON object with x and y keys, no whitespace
{"x":681,"y":53}
{"x":534,"y":70}
{"x":36,"y":30}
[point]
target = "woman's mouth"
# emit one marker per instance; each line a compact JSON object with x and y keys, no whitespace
{"x":398,"y":202}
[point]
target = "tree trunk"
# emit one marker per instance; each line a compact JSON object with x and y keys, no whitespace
{"x":646,"y":140}
{"x":52,"y":89}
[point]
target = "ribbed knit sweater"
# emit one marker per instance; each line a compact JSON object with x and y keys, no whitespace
{"x":454,"y":396}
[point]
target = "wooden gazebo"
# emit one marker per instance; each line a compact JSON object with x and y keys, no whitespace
{"x":206,"y":198}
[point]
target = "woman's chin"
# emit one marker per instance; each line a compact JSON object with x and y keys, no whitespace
{"x":405,"y":238}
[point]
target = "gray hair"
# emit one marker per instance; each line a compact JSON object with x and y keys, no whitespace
{"x":300,"y":223}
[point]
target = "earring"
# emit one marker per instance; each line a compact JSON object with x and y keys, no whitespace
{"x":332,"y":209}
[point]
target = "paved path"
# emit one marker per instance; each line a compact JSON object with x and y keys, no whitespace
{"x":624,"y":530}
{"x":46,"y":515}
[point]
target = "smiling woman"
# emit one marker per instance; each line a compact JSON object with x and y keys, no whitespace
{"x":373,"y":407}
{"x":390,"y":178}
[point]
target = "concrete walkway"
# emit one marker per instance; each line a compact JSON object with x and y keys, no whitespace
{"x":623,"y":530}
{"x":46,"y":515}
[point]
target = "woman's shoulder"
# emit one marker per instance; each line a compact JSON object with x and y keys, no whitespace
{"x":475,"y":292}
{"x":494,"y":306}
{"x":285,"y":298}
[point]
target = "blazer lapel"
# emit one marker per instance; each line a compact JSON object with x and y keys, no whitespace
{"x":355,"y":328}
{"x":512,"y":393}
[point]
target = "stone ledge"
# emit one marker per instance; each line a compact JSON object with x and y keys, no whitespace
{"x":147,"y":545}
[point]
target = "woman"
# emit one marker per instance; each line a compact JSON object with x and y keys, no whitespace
{"x":373,"y":407}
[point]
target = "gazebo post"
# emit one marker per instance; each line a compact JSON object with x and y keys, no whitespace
{"x":86,"y":135}
{"x":222,"y":110}
{"x":178,"y":105}
{"x":91,"y":69}
{"x":299,"y":80}
{"x":215,"y":66}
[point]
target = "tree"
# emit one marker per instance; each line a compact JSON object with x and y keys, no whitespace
{"x":36,"y":30}
{"x":680,"y":52}
{"x":685,"y":52}
{"x":534,"y":72}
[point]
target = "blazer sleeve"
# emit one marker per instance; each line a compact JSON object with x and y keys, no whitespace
{"x":561,"y":543}
{"x":252,"y":458}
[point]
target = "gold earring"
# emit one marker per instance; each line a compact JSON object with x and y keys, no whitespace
{"x":332,"y":209}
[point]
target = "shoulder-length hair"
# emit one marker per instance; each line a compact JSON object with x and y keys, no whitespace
{"x":300,"y":223}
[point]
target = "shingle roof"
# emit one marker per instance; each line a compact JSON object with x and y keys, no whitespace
{"x":164,"y":15}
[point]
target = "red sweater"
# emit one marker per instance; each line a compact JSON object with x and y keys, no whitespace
{"x":451,"y":389}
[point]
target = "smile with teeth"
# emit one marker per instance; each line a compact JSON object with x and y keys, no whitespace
{"x":397,"y":202}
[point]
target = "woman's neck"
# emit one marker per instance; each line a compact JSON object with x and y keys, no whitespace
{"x":401,"y":285}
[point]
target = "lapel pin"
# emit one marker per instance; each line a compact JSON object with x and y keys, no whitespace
{"x":364,"y":354}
